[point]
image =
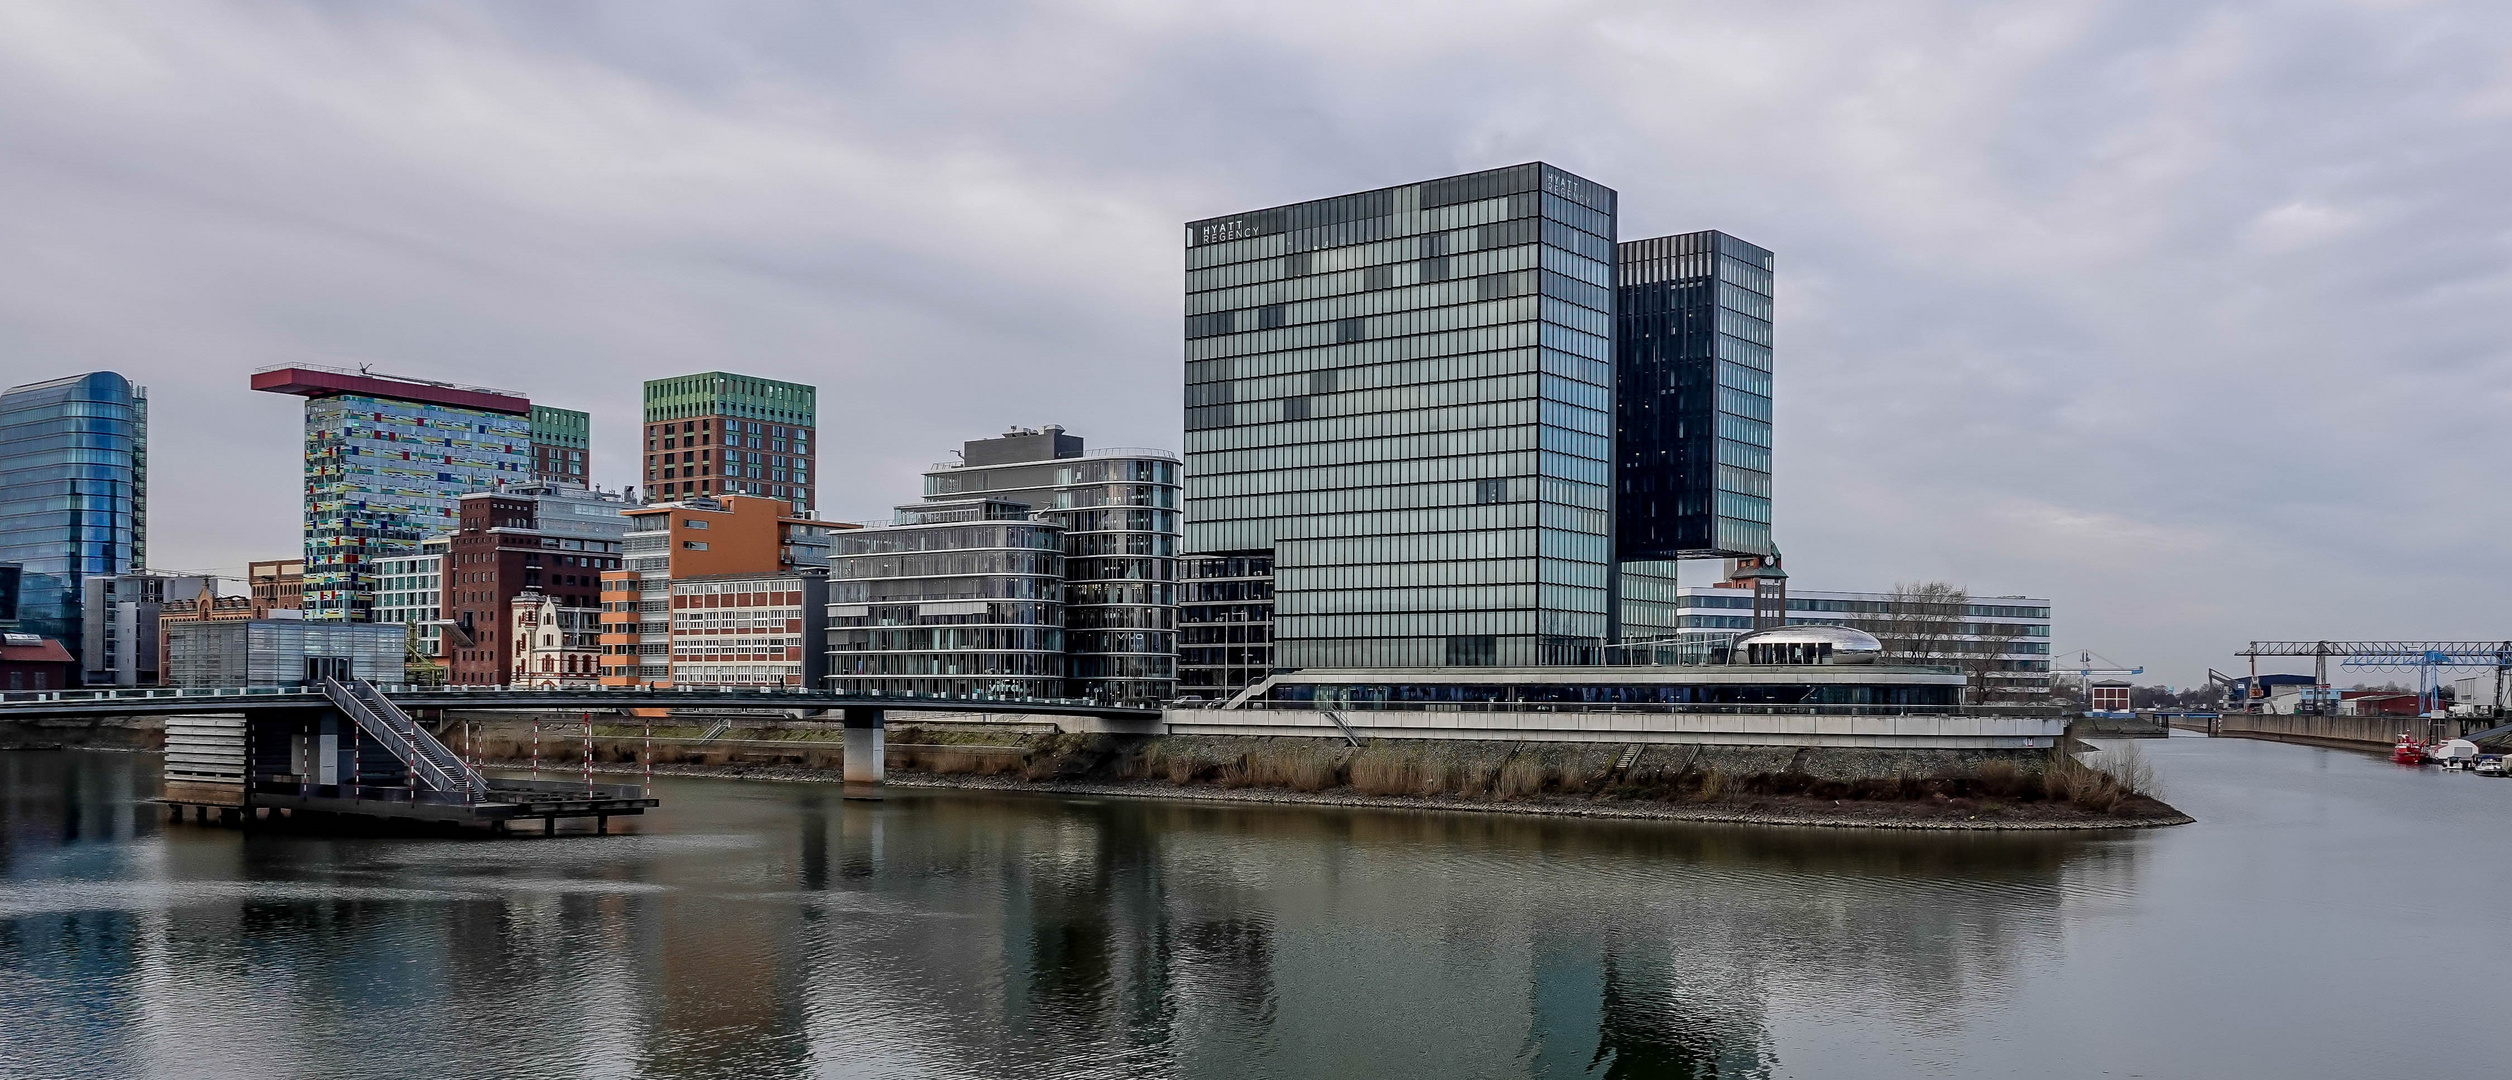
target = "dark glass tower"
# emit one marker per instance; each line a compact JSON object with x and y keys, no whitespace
{"x":73,"y":493}
{"x":1404,"y":398}
{"x":1694,"y":411}
{"x":1693,"y":416}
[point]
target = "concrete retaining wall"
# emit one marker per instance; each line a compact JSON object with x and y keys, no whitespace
{"x":2349,"y":732}
{"x":1912,"y":732}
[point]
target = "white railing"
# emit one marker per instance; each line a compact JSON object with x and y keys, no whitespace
{"x":449,"y":690}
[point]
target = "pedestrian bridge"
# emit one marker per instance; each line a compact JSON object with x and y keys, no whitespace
{"x":348,"y":748}
{"x":73,"y":704}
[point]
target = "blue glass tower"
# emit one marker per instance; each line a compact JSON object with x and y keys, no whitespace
{"x":73,"y":492}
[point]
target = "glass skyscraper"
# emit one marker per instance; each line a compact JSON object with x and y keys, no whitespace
{"x":1405,"y":399}
{"x":73,"y":493}
{"x":1694,"y":398}
{"x":1693,"y":410}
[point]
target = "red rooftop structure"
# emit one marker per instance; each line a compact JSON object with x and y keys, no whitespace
{"x":312,"y":381}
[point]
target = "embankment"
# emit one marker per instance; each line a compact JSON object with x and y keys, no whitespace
{"x":1950,"y":789}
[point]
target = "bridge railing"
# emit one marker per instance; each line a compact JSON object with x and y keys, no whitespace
{"x":800,"y":693}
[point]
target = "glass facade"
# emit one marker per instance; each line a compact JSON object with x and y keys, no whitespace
{"x":1225,"y":623}
{"x":239,"y":652}
{"x":1404,"y":398}
{"x":958,"y":597}
{"x":382,"y":474}
{"x":1694,"y":408}
{"x":73,"y":493}
{"x":1119,"y":513}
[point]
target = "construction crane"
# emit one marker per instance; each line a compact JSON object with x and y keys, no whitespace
{"x":2086,"y":669}
{"x":2428,"y":658}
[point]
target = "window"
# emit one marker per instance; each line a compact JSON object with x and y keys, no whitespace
{"x":693,"y":545}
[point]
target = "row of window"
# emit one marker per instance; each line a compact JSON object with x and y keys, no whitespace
{"x":997,"y":561}
{"x":1300,"y":500}
{"x":1449,"y":418}
{"x":1523,"y":385}
{"x":1293,"y":288}
{"x":1294,"y":633}
{"x":1479,"y":314}
{"x":1260,"y":235}
{"x":937,"y":639}
{"x":1587,"y":358}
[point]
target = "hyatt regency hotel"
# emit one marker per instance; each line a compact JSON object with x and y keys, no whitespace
{"x":1403,"y":404}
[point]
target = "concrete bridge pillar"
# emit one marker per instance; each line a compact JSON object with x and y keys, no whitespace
{"x":866,"y":753}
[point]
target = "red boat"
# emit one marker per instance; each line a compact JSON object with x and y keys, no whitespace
{"x":2408,"y":751}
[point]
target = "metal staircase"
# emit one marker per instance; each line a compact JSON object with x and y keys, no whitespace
{"x":432,"y":764}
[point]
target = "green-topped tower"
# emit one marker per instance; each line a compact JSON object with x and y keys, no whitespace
{"x":717,"y":433}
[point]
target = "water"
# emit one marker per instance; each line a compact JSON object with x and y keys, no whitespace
{"x":2331,"y":915}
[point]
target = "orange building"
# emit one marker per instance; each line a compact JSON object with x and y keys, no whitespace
{"x":693,"y":538}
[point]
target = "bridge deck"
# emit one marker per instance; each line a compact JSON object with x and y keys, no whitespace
{"x":161,"y":701}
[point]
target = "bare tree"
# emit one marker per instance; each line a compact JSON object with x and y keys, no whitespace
{"x":1981,"y":657}
{"x":1923,"y":622}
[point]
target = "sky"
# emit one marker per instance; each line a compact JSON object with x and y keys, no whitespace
{"x":2191,"y":317}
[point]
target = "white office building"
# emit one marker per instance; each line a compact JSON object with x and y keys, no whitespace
{"x":2003,"y":642}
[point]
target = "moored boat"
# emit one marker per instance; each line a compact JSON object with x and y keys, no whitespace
{"x":2408,"y":751}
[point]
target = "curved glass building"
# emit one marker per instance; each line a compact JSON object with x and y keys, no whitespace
{"x":73,"y":492}
{"x":956,"y":597}
{"x":1119,"y":512}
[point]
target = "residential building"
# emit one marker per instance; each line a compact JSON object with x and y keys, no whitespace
{"x":717,"y":433}
{"x":1119,"y":513}
{"x":697,"y":537}
{"x":73,"y":493}
{"x":562,"y":439}
{"x":2002,"y":642}
{"x":279,"y":652}
{"x":119,"y":636}
{"x":761,"y":629}
{"x":277,"y":584}
{"x":411,"y":592}
{"x":555,"y":644}
{"x":387,"y":461}
{"x":1225,"y":624}
{"x":955,"y":596}
{"x":33,"y":662}
{"x":503,"y":550}
{"x":1404,"y":399}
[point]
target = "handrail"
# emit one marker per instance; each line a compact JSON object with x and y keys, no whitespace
{"x":360,"y":701}
{"x":1708,"y":708}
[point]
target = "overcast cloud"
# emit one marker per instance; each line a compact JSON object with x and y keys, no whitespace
{"x":2191,"y":316}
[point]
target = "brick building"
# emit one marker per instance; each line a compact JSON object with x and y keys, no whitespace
{"x":499,"y":552}
{"x":696,"y":538}
{"x":722,"y":434}
{"x":749,"y":629}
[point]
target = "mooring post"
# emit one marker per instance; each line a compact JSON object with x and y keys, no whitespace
{"x":866,"y":743}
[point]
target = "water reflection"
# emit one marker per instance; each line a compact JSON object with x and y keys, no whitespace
{"x":760,"y":930}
